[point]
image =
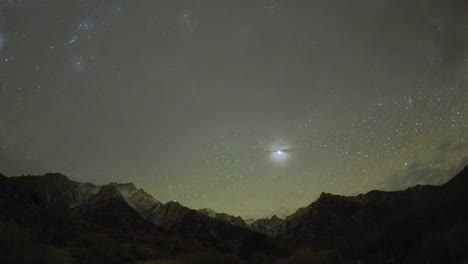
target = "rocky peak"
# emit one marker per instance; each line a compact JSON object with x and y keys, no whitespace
{"x":233,"y":220}
{"x":134,"y":196}
{"x":55,"y":176}
{"x":328,"y":198}
{"x":124,"y":187}
{"x":274,"y":217}
{"x":51,"y":189}
{"x":173,"y":210}
{"x":109,"y":191}
{"x":267,"y":226}
{"x":109,"y":207}
{"x":208,"y":212}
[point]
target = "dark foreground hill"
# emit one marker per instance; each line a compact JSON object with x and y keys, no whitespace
{"x":51,"y":219}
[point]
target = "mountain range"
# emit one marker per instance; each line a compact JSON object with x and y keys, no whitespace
{"x":52,"y":219}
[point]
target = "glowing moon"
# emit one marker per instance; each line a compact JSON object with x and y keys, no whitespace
{"x":279,"y":156}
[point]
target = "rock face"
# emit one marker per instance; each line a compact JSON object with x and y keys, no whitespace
{"x":148,"y":207}
{"x":50,"y":190}
{"x":170,"y":214}
{"x":108,"y":207}
{"x":348,"y":216}
{"x":269,"y":226}
{"x":127,"y":214}
{"x":116,"y":205}
{"x":417,"y":221}
{"x":423,"y":224}
{"x":233,"y":220}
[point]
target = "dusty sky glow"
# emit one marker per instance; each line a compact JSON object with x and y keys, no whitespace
{"x":251,"y":108}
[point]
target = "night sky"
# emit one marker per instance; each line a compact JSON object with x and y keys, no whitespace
{"x":252,"y":108}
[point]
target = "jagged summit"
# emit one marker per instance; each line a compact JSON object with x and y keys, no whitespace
{"x":363,"y":213}
{"x":52,"y":188}
{"x":56,"y":185}
{"x":109,"y":207}
{"x":55,"y":175}
{"x":209,"y":212}
{"x":379,"y":225}
{"x":268,"y":226}
{"x":129,"y":185}
{"x":88,"y":200}
{"x":234,"y":220}
{"x":109,"y":191}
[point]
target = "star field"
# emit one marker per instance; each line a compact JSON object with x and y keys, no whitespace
{"x":250,"y":108}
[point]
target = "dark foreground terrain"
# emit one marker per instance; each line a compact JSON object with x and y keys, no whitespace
{"x":51,"y":219}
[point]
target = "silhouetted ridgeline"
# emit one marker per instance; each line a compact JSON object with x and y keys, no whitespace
{"x":51,"y":219}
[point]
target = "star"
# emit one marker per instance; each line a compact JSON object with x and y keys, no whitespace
{"x":251,"y":111}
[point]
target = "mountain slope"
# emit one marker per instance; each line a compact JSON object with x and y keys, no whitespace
{"x":118,"y":211}
{"x":268,"y":226}
{"x":109,"y":208}
{"x":119,"y":223}
{"x":234,"y":220}
{"x":380,"y":225}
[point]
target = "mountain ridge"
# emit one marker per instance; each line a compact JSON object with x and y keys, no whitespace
{"x":146,"y":205}
{"x":422,"y":224}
